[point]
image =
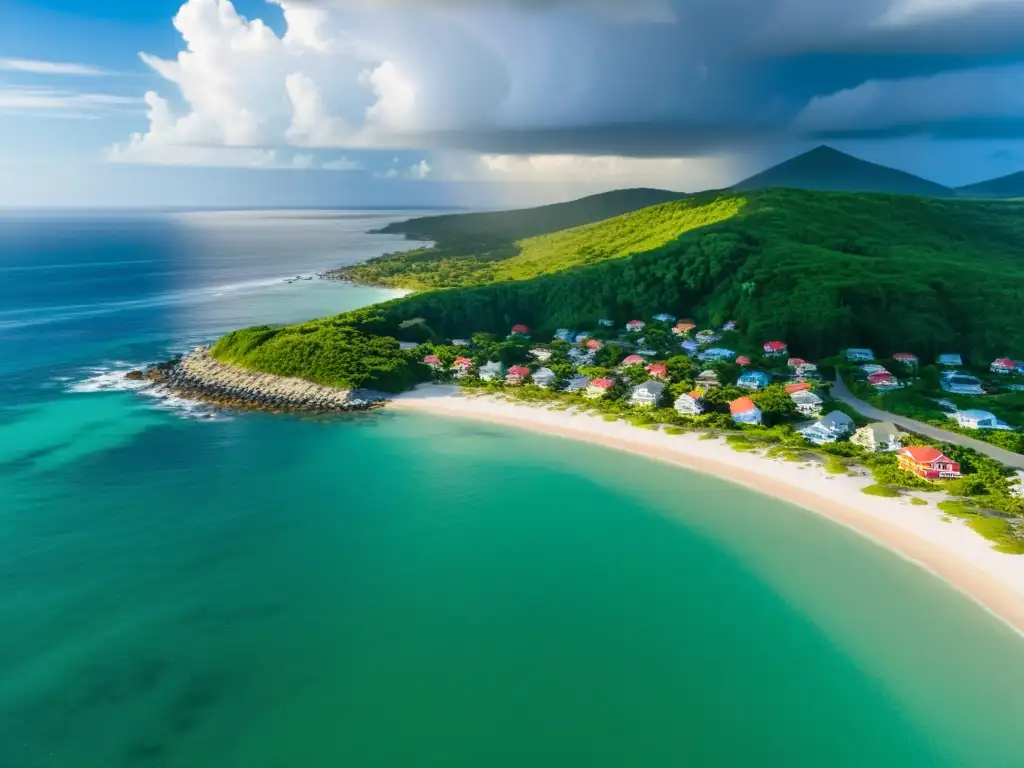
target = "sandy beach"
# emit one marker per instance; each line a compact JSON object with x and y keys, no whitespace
{"x":948,"y":549}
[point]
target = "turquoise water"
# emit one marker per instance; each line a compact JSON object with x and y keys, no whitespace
{"x":400,"y":590}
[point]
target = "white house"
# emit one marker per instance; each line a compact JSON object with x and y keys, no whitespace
{"x":870,"y":368}
{"x":460,"y":342}
{"x":880,"y":436}
{"x":491,"y":370}
{"x":665,"y":318}
{"x":807,"y":371}
{"x":973,"y":419}
{"x":647,"y":394}
{"x":690,"y":404}
{"x":806,"y":402}
{"x":716,"y":354}
{"x":961,"y":384}
{"x":635,"y":326}
{"x":950,"y":360}
{"x":576,"y":383}
{"x":859,"y":355}
{"x":829,"y":429}
{"x":646,"y":352}
{"x":708,"y":380}
{"x":544,"y":377}
{"x":541,"y":355}
{"x":579,"y":357}
{"x":404,"y":345}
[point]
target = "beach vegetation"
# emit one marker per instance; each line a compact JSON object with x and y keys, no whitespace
{"x":917,"y":501}
{"x":880,"y":490}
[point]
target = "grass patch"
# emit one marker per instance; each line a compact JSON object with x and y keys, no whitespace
{"x":708,"y":436}
{"x":835,"y":466}
{"x":610,"y":417}
{"x":739,"y":443}
{"x":958,"y":508}
{"x":675,"y":431}
{"x":881,"y":490}
{"x":998,"y":531}
{"x":918,"y":502}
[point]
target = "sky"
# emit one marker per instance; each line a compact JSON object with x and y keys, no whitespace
{"x":324,"y":103}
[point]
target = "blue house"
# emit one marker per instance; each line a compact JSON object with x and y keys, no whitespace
{"x":753,"y":380}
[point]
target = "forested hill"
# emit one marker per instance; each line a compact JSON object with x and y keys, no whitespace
{"x":1004,"y":187}
{"x":459,"y":229}
{"x":821,"y":270}
{"x":826,"y":168}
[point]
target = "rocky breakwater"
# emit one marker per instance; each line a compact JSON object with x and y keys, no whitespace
{"x":198,"y":376}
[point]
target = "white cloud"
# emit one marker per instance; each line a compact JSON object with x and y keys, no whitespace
{"x":420,"y":170}
{"x":303,"y":162}
{"x":343,"y":164}
{"x":54,"y":100}
{"x":608,"y":171}
{"x":38,"y":67}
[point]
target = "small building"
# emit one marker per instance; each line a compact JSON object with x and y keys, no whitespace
{"x":576,"y":383}
{"x":961,"y":384}
{"x":708,"y":380}
{"x":753,"y":380}
{"x":859,"y":355}
{"x":742,"y":361}
{"x":807,"y":403}
{"x":829,"y":429}
{"x":975,"y":419}
{"x":599,"y":387}
{"x":795,"y":362}
{"x":878,"y":437}
{"x":542,"y":355}
{"x":648,"y":394}
{"x":951,"y":361}
{"x":691,"y":403}
{"x":520,"y":330}
{"x":407,"y":345}
{"x":633,"y":360}
{"x":870,"y":368}
{"x":716,"y":355}
{"x":664,"y":317}
{"x":906,"y":358}
{"x":744,"y":411}
{"x":604,"y":322}
{"x":658,"y":370}
{"x":707,"y":337}
{"x":775,"y":348}
{"x":729,"y":326}
{"x":1003,"y":365}
{"x":544,"y":377}
{"x":565,"y":334}
{"x":460,"y":342}
{"x":462,"y":367}
{"x":928,"y":463}
{"x":646,"y":352}
{"x":635,"y":326}
{"x":682,"y":328}
{"x":690,"y":347}
{"x":517,"y":374}
{"x":807,"y":371}
{"x":883,"y":380}
{"x":579,"y":357}
{"x":800,"y":386}
{"x":490,"y":371}
{"x":594,"y":345}
{"x":433,"y":361}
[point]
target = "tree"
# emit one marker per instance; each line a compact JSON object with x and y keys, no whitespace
{"x":775,"y":403}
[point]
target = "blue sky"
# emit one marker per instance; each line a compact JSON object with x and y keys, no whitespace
{"x":456,"y":102}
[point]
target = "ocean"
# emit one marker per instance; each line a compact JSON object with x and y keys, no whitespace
{"x":188,"y":588}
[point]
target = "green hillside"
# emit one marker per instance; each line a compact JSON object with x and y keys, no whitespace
{"x":1005,"y":187}
{"x":820,"y":270}
{"x":829,"y":169}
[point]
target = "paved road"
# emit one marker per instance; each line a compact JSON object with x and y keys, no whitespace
{"x":1009,"y":458}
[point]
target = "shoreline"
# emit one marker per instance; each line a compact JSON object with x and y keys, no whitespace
{"x":948,"y":550}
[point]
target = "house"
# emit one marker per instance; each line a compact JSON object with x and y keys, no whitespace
{"x":744,"y":411}
{"x":882,"y":436}
{"x":973,"y":419}
{"x":581,"y":337}
{"x":433,"y":361}
{"x":1003,"y":365}
{"x":754,"y":380}
{"x":543,"y":355}
{"x":604,"y":322}
{"x":665,"y":318}
{"x":576,"y":383}
{"x":716,"y":355}
{"x":594,"y":345}
{"x":646,"y":352}
{"x":690,"y":347}
{"x":950,"y":360}
{"x":460,"y":342}
{"x":807,"y":371}
{"x":906,"y":358}
{"x":729,"y":326}
{"x":807,"y":403}
{"x":801,"y":386}
{"x":635,"y":326}
{"x":544,"y":377}
{"x":490,"y":371}
{"x":407,"y":345}
{"x":658,"y":370}
{"x":961,"y":384}
{"x":579,"y":357}
{"x":599,"y":387}
{"x":690,"y":404}
{"x":682,"y":328}
{"x":647,"y":394}
{"x":707,"y":337}
{"x":795,"y":362}
{"x":928,"y":463}
{"x":829,"y":429}
{"x":742,"y":360}
{"x":633,"y":360}
{"x":708,"y":380}
{"x":462,"y":367}
{"x":564,"y":334}
{"x":859,"y":355}
{"x":883,"y":380}
{"x":520,"y":330}
{"x":775,"y":348}
{"x":517,"y":374}
{"x":870,"y":368}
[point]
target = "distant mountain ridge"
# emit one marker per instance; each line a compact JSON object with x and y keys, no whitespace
{"x":1009,"y":186}
{"x":827,"y":169}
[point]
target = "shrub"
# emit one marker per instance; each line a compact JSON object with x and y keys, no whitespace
{"x":880,"y":490}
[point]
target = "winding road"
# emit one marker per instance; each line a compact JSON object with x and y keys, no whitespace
{"x":1009,"y":458}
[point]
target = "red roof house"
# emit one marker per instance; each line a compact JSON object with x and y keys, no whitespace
{"x":742,"y":360}
{"x":906,"y":358}
{"x":432,"y":360}
{"x":462,"y":362}
{"x":802,"y":386}
{"x":634,"y":360}
{"x":517,"y":374}
{"x":683,"y":327}
{"x":775,"y":348}
{"x":795,"y":362}
{"x":882,"y":379}
{"x":635,"y":325}
{"x":658,"y":369}
{"x":594,"y":344}
{"x":928,"y":463}
{"x":520,"y":329}
{"x":1003,"y":365}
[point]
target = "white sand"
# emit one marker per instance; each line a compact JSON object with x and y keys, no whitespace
{"x":949,"y":550}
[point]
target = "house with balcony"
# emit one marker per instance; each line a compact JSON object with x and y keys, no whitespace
{"x":744,"y":411}
{"x":544,"y":377}
{"x":775,"y":349}
{"x":928,"y":463}
{"x":648,"y":394}
{"x":829,"y":429}
{"x":753,"y":380}
{"x":690,"y":403}
{"x":859,"y":355}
